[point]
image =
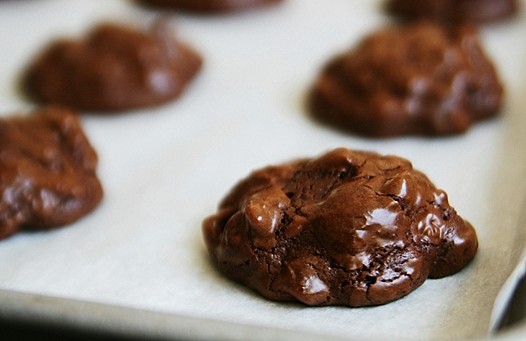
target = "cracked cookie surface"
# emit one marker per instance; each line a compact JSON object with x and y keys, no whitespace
{"x":47,"y":171}
{"x":345,"y":228}
{"x":114,"y":68}
{"x":453,"y":11}
{"x":413,"y":79}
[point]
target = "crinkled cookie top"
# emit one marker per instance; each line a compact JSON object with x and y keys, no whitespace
{"x":346,"y":228}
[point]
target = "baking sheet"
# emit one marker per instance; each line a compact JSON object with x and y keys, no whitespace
{"x":138,"y":263}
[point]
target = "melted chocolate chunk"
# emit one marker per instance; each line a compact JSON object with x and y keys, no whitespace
{"x":346,"y":228}
{"x":115,"y":68}
{"x":209,"y":6}
{"x":453,"y":11}
{"x":414,"y":79}
{"x":47,"y":171}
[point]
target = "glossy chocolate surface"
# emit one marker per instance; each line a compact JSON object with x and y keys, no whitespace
{"x":414,"y":79}
{"x":47,"y":171}
{"x":346,"y":228}
{"x":115,"y":68}
{"x":453,"y":11}
{"x":209,"y":6}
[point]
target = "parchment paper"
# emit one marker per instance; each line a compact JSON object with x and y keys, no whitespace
{"x":138,"y":262}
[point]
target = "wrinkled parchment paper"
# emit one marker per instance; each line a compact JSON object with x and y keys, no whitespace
{"x":138,"y":263}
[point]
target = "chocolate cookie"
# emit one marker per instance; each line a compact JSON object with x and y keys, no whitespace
{"x":47,"y":171}
{"x":208,"y":6}
{"x":414,"y":79}
{"x":114,"y":68}
{"x":453,"y":11}
{"x":346,"y":228}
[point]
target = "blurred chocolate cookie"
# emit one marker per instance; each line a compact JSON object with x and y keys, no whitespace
{"x":208,"y":6}
{"x":413,"y":79}
{"x":345,"y":228}
{"x":47,"y":171}
{"x":114,"y":68}
{"x":453,"y":11}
